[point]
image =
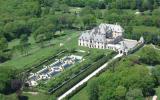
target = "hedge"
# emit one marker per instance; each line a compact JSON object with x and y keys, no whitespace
{"x":81,"y":75}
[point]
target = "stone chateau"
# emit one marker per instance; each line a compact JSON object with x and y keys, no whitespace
{"x":108,"y":36}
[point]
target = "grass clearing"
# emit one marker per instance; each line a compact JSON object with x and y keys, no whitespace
{"x":81,"y":95}
{"x":36,"y":54}
{"x":28,"y":96}
{"x":158,"y":91}
{"x":143,"y":29}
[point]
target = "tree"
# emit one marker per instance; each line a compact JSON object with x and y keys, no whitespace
{"x":113,"y":85}
{"x":128,"y":32}
{"x":4,"y":55}
{"x":6,"y":73}
{"x":93,"y":90}
{"x":134,"y":94}
{"x":139,"y":5}
{"x":98,"y":13}
{"x":15,"y":29}
{"x":45,"y":11}
{"x":148,"y":21}
{"x":24,"y":45}
{"x":78,"y":23}
{"x":16,"y":86}
{"x":89,"y":21}
{"x":133,"y":4}
{"x":87,"y":10}
{"x":41,"y":39}
{"x":120,"y":93}
{"x":145,"y":5}
{"x":45,"y":3}
{"x":64,"y":8}
{"x":156,"y":74}
{"x":150,"y":56}
{"x":3,"y":43}
{"x":157,"y":22}
{"x":113,"y":18}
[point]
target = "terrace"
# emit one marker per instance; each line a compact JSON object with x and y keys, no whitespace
{"x":56,"y":67}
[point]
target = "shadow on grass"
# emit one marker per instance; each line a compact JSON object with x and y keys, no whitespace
{"x":59,"y":35}
{"x":23,"y":98}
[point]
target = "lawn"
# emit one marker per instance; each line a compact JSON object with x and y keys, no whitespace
{"x":158,"y":91}
{"x":28,"y":96}
{"x":143,"y":29}
{"x":81,"y":95}
{"x":27,"y":61}
{"x":36,"y":54}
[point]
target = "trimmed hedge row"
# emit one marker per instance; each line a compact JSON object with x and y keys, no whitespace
{"x":136,"y":48}
{"x":68,"y":75}
{"x":40,"y":63}
{"x":65,"y":76}
{"x":45,"y":61}
{"x":81,"y":75}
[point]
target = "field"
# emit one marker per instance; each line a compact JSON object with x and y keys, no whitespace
{"x":36,"y":53}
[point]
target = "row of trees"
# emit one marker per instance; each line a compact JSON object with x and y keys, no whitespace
{"x":42,"y":18}
{"x":27,"y":19}
{"x":127,"y":79}
{"x":142,"y":5}
{"x":4,"y":54}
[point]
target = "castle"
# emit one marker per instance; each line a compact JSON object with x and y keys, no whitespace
{"x":107,"y":36}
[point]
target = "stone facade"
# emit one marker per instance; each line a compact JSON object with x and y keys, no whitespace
{"x":100,"y":36}
{"x":107,"y":36}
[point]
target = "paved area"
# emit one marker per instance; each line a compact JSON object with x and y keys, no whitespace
{"x":88,"y":77}
{"x":130,"y":43}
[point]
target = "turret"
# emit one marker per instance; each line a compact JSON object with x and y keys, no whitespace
{"x":141,"y":40}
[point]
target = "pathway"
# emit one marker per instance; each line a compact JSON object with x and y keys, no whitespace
{"x":88,"y":77}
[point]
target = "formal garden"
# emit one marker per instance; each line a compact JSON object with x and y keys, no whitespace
{"x":34,"y":33}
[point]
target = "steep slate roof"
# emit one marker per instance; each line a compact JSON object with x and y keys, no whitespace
{"x":85,"y":35}
{"x":101,"y":32}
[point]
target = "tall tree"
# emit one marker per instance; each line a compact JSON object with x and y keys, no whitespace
{"x":6,"y":73}
{"x":93,"y":90}
{"x":24,"y":45}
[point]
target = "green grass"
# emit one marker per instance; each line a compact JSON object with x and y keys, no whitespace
{"x":142,"y":29}
{"x":158,"y":91}
{"x":31,"y":59}
{"x":36,"y":54}
{"x":81,"y":95}
{"x":39,"y":96}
